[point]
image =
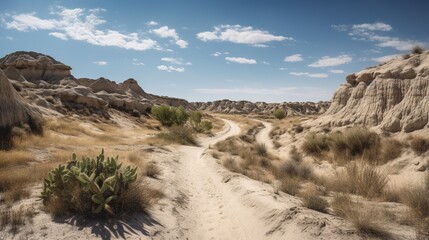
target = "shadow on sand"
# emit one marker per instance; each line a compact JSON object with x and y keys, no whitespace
{"x":113,"y":228}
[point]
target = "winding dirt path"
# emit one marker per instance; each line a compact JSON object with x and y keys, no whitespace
{"x":212,"y":211}
{"x":263,"y":136}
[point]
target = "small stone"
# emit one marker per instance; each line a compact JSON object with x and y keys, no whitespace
{"x":421,"y":168}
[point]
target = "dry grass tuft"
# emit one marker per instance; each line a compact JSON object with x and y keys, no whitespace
{"x":152,"y":170}
{"x":359,"y":178}
{"x":311,"y":199}
{"x":290,"y":185}
{"x":315,"y":144}
{"x":231,"y":165}
{"x":15,"y":219}
{"x":355,"y":142}
{"x":365,"y":220}
{"x":295,"y":169}
{"x":15,"y":158}
{"x":260,"y":149}
{"x":390,"y":149}
{"x":419,"y":145}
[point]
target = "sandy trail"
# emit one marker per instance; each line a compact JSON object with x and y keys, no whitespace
{"x":263,"y":136}
{"x":212,"y":211}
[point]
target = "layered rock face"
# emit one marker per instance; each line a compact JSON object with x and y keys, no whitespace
{"x":32,"y":66}
{"x":246,"y":107}
{"x":393,"y":95}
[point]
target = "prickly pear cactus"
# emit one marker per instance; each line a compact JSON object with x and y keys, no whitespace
{"x":103,"y":179}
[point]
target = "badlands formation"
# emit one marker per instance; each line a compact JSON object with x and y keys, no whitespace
{"x":51,"y":85}
{"x":393,"y":96}
{"x":311,"y":175}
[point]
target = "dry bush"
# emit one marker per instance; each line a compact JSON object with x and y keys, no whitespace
{"x":228,"y":145}
{"x":16,"y":194}
{"x":295,"y":169}
{"x":140,"y":196}
{"x":365,"y":220}
{"x":15,"y":219}
{"x":290,"y":185}
{"x":419,"y":145}
{"x":312,"y":200}
{"x":390,"y":149}
{"x":15,"y":158}
{"x":66,"y":127}
{"x":355,"y":142}
{"x":260,"y":149}
{"x":298,"y":128}
{"x":406,"y":56}
{"x":231,"y":165}
{"x":417,"y":199}
{"x":359,"y":178}
{"x":417,"y":50}
{"x":295,"y":155}
{"x":315,"y":144}
{"x":179,"y":134}
{"x":151,"y":170}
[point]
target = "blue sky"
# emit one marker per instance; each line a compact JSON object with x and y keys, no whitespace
{"x":271,"y":51}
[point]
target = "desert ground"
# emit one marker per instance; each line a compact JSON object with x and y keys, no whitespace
{"x":221,"y":170}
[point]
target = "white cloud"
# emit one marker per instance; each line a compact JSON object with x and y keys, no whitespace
{"x":266,"y":63}
{"x":170,"y":68}
{"x":378,"y":26}
{"x":385,"y":58}
{"x":100,"y":63}
{"x":371,"y":32}
{"x":282,"y":69}
{"x":259,"y":91}
{"x":294,"y":58}
{"x":240,"y":34}
{"x":9,"y":38}
{"x":241,"y":60}
{"x":216,"y":54}
{"x":59,"y":35}
{"x":177,"y":61}
{"x":81,"y":25}
{"x":166,"y":32}
{"x":137,"y":62}
{"x":312,"y":75}
{"x":336,"y":71}
{"x":152,"y":23}
{"x":26,"y":22}
{"x":327,"y":61}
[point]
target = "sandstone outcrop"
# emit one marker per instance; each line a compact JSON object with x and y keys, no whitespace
{"x":393,"y":95}
{"x":34,"y":67}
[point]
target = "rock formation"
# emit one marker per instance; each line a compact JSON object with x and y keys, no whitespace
{"x":34,"y":66}
{"x":246,"y":107}
{"x":393,"y":95}
{"x":49,"y":84}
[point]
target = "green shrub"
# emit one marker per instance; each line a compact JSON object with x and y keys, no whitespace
{"x":90,"y":186}
{"x":181,"y":116}
{"x":279,"y":113}
{"x":164,"y":114}
{"x":179,"y":134}
{"x":195,"y":120}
